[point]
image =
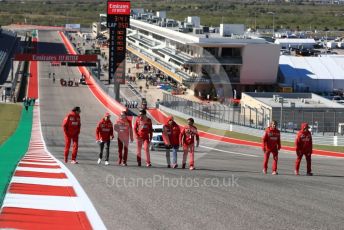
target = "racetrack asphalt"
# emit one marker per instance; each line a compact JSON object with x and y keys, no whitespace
{"x":227,"y":191}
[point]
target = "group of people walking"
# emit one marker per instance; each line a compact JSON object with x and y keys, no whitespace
{"x":173,"y":136}
{"x":27,"y":101}
{"x":272,"y":144}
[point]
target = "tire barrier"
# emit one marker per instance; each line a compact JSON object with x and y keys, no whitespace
{"x":68,"y":83}
{"x":63,"y":82}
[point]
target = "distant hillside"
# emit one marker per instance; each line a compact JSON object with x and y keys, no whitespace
{"x":295,"y":15}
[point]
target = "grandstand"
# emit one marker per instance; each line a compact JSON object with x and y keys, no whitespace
{"x":2,"y":56}
{"x":7,"y":42}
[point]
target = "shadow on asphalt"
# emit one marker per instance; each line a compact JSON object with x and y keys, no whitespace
{"x":52,"y":48}
{"x":330,"y":176}
{"x":226,"y":170}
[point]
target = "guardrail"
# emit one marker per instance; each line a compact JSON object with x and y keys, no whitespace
{"x":137,"y":93}
{"x":15,"y":81}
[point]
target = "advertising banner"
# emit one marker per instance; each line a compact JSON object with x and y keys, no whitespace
{"x":118,"y":8}
{"x":55,"y":57}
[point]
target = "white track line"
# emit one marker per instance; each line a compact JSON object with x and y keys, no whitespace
{"x":225,"y":151}
{"x":32,"y":161}
{"x":45,"y":170}
{"x":41,"y":181}
{"x":54,"y":203}
{"x":43,"y":157}
{"x":39,"y":163}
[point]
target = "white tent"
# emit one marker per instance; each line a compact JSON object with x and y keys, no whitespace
{"x":287,"y":43}
{"x":316,"y":74}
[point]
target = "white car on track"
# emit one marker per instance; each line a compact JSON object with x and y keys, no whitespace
{"x":157,"y":141}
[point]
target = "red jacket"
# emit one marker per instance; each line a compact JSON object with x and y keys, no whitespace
{"x":71,"y":124}
{"x":271,"y":140}
{"x":303,"y":141}
{"x":143,"y":128}
{"x":171,"y":134}
{"x":124,"y":129}
{"x":188,"y":134}
{"x":104,"y":130}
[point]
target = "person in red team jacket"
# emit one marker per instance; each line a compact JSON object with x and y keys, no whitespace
{"x":271,"y":144}
{"x":125,"y":133}
{"x":144,"y":133}
{"x":104,"y":133}
{"x":71,"y":128}
{"x":187,"y":140}
{"x":304,"y":146}
{"x":170,"y":135}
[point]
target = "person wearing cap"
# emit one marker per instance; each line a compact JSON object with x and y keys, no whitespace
{"x":271,"y":144}
{"x":143,"y":130}
{"x":71,"y":128}
{"x":187,"y":140}
{"x":104,"y":133}
{"x":125,"y":133}
{"x":304,"y":146}
{"x":170,"y":135}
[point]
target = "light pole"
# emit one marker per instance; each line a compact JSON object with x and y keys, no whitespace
{"x":12,"y":67}
{"x":255,"y":21}
{"x":281,"y":100}
{"x":326,"y":47}
{"x":273,"y":23}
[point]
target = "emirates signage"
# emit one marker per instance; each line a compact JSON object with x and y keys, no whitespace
{"x":118,"y":8}
{"x":55,"y":57}
{"x":118,"y":20}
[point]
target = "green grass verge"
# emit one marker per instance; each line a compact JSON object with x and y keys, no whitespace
{"x":9,"y":118}
{"x":13,"y":150}
{"x":242,"y":136}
